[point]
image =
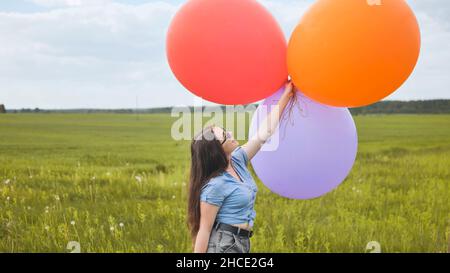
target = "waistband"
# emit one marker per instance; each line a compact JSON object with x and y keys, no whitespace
{"x":235,"y":230}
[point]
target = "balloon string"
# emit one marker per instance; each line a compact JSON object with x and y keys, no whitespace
{"x":286,"y":117}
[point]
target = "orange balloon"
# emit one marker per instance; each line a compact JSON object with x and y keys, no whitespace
{"x":351,"y":53}
{"x":227,"y":51}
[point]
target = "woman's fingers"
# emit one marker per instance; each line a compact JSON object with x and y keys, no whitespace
{"x":289,"y":88}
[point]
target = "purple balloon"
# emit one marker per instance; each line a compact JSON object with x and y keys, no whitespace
{"x":310,"y":153}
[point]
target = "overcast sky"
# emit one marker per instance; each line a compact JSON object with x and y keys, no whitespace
{"x":105,"y":53}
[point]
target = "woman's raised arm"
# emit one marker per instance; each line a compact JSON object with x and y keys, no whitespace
{"x":269,"y":124}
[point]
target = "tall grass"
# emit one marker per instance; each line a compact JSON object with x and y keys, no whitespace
{"x":115,"y":183}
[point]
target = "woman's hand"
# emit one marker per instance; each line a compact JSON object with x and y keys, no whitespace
{"x":289,"y":90}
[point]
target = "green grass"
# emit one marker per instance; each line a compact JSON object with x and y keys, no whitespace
{"x":116,"y":183}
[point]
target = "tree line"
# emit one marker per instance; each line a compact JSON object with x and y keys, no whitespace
{"x":383,"y":107}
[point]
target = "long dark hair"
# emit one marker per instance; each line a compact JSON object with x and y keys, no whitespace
{"x":208,"y":159}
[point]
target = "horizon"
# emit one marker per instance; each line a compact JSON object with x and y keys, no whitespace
{"x":190,"y":106}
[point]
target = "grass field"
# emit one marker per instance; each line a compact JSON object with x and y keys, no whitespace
{"x":117,"y":183}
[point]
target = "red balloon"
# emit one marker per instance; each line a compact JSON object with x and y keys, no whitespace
{"x":227,"y":51}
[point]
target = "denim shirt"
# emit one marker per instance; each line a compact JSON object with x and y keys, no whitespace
{"x":235,"y":199}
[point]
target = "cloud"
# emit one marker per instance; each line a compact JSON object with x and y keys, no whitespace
{"x":105,"y":54}
{"x":287,"y":13}
{"x":99,"y":53}
{"x":430,"y":78}
{"x":68,"y":3}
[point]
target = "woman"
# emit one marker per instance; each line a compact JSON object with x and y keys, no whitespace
{"x":222,"y":191}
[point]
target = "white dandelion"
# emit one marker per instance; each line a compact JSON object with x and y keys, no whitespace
{"x":7,"y":181}
{"x":138,"y":178}
{"x":72,"y":223}
{"x":111,"y":228}
{"x":121,"y":225}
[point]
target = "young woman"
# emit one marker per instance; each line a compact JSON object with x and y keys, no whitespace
{"x":222,"y":191}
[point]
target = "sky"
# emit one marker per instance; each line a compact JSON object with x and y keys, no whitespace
{"x":60,"y":54}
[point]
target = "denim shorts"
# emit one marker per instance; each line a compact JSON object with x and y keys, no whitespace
{"x":224,"y":241}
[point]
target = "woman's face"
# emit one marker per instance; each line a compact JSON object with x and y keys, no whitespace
{"x":229,"y":144}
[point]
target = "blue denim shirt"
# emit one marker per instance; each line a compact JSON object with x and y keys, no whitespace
{"x":235,"y":199}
